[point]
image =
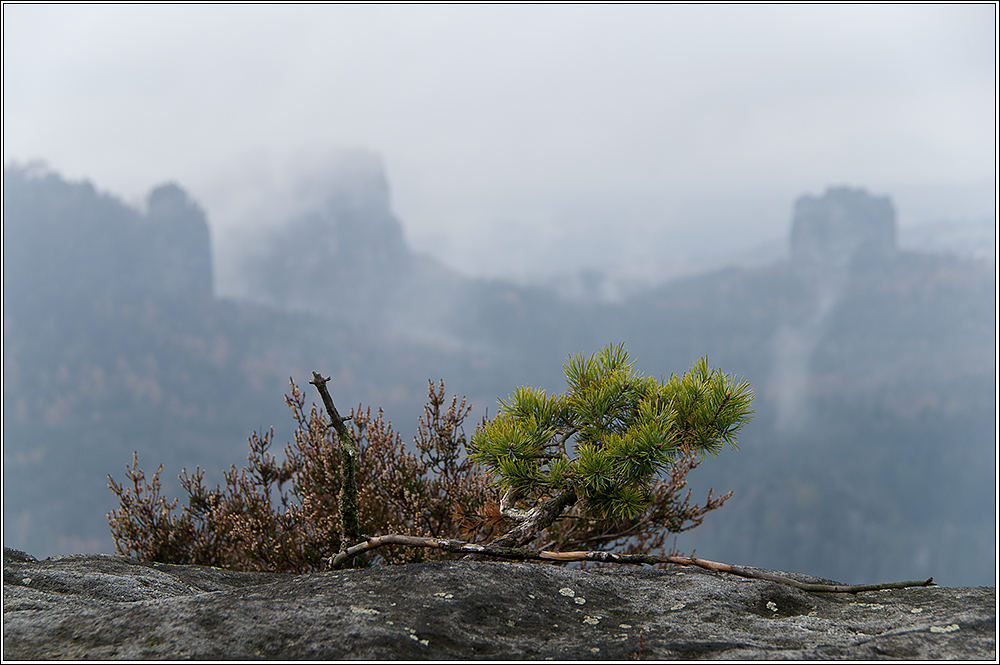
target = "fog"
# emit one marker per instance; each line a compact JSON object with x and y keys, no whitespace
{"x":395,"y":193}
{"x":523,"y":142}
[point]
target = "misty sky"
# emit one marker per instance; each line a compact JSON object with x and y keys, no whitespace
{"x":519,"y":138}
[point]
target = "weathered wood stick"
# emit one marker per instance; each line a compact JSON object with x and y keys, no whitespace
{"x":348,"y":459}
{"x":523,"y":554}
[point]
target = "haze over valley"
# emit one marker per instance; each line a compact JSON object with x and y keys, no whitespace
{"x":871,"y":453}
{"x":203,"y":200}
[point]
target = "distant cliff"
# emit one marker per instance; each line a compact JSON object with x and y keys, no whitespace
{"x":179,"y":251}
{"x":65,"y":241}
{"x":345,"y":256}
{"x":843,"y":228}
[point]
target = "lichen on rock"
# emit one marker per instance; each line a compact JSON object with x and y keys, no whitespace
{"x":111,"y":607}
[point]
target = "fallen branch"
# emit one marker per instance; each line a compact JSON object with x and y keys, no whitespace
{"x":459,"y":547}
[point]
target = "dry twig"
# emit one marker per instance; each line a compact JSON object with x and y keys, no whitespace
{"x":523,"y":554}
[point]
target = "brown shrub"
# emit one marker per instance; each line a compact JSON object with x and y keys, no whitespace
{"x":286,"y":518}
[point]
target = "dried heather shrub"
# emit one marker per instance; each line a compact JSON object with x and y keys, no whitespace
{"x":286,"y":518}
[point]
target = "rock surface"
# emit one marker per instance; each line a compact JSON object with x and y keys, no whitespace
{"x":112,"y":607}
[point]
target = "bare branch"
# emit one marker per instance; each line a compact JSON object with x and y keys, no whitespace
{"x":522,"y":554}
{"x":349,"y":456}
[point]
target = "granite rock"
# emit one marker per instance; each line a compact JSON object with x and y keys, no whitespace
{"x":111,"y":607}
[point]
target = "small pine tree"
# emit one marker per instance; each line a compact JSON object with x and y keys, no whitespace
{"x":605,"y":442}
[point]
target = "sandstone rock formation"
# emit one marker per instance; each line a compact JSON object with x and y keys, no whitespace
{"x":844,"y":228}
{"x":66,"y":243}
{"x":112,"y":607}
{"x":346,"y":254}
{"x":177,"y":235}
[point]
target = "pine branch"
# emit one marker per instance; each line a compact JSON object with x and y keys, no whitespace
{"x":523,"y":554}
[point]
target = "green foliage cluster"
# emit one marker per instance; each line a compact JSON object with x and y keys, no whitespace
{"x":612,"y":434}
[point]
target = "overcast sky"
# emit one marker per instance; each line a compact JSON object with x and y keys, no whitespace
{"x":515,"y":126}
